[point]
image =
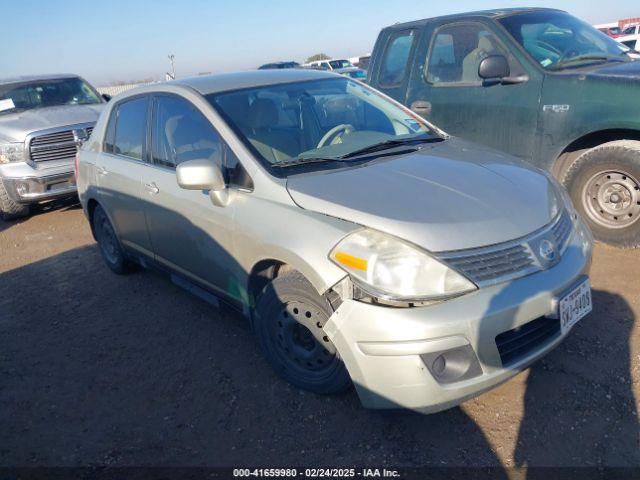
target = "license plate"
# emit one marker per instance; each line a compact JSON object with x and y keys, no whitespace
{"x":574,"y":305}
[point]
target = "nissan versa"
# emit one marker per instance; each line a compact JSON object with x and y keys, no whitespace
{"x":364,"y":244}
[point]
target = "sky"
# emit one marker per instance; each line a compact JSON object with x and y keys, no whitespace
{"x":123,"y":40}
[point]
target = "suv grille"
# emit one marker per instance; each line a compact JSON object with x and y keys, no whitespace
{"x":500,"y":263}
{"x":517,"y":343}
{"x":55,"y":146}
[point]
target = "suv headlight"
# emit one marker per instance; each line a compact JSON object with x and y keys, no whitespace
{"x":11,"y":152}
{"x":390,"y":268}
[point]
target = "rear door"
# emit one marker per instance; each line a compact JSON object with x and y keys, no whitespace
{"x":120,"y":168}
{"x":447,"y":90}
{"x":390,"y":72}
{"x":189,"y":234}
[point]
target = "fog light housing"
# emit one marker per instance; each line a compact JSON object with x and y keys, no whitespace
{"x":453,"y":365}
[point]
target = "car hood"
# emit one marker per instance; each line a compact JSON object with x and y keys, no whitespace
{"x":16,"y":126}
{"x":627,"y":70}
{"x":454,"y":195}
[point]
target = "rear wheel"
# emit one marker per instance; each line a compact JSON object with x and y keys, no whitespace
{"x":288,"y":323}
{"x":604,"y":184}
{"x":110,"y":247}
{"x":10,"y":210}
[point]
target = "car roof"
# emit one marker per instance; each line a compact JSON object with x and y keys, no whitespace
{"x":34,"y":78}
{"x":494,"y":13}
{"x":207,"y":84}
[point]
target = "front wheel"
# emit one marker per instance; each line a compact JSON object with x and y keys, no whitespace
{"x":10,"y":210}
{"x":604,"y":184}
{"x":288,"y":325}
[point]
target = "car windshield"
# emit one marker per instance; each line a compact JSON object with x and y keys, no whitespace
{"x":340,"y":63}
{"x":557,"y":40}
{"x":17,"y":97}
{"x":312,"y":121}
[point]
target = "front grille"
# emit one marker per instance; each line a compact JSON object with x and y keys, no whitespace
{"x":486,"y":266}
{"x":562,"y":230}
{"x":500,"y":263}
{"x":519,"y":342}
{"x":54,"y":146}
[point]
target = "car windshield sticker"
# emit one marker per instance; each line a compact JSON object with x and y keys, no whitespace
{"x":6,"y":104}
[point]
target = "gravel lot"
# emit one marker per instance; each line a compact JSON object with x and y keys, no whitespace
{"x":97,"y":369}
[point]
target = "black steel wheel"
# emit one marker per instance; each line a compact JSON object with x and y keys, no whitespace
{"x":108,"y":242}
{"x":288,"y":323}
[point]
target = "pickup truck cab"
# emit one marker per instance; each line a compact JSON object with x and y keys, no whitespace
{"x":536,"y":83}
{"x":43,"y":119}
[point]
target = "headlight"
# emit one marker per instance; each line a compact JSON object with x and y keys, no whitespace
{"x":390,"y":268}
{"x":11,"y":152}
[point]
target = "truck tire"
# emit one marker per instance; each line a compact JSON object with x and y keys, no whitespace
{"x":604,"y":184}
{"x":288,"y":324}
{"x":110,"y":247}
{"x":10,"y":210}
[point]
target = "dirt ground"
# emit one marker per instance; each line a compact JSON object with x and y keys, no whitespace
{"x":99,"y":369}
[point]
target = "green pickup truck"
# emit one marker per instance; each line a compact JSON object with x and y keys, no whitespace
{"x":536,"y":83}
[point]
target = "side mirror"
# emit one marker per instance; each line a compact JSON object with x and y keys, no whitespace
{"x":204,"y":175}
{"x":106,"y":97}
{"x":493,"y":67}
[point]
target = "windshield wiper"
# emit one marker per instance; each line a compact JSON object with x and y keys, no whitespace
{"x":387,"y":144}
{"x":304,"y":161}
{"x":586,"y":58}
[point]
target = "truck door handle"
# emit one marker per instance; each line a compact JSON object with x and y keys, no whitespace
{"x":101,"y":171}
{"x":152,"y":188}
{"x":421,"y":107}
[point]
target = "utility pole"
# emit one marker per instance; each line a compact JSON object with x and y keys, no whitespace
{"x":173,"y":69}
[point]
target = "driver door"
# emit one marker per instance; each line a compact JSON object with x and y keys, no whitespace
{"x":500,"y":116}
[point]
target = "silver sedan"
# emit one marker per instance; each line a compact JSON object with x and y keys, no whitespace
{"x":365,"y":246}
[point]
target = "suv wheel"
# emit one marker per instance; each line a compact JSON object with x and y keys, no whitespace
{"x":108,"y":242}
{"x":288,"y":324}
{"x":9,"y":209}
{"x":604,"y":184}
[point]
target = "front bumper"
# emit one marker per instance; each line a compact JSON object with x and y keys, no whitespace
{"x":28,"y":185}
{"x":383,"y":348}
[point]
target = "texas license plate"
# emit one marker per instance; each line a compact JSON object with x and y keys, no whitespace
{"x":575,"y":305}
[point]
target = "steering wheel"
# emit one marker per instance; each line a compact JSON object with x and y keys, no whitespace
{"x":548,"y":46}
{"x":336,"y":132}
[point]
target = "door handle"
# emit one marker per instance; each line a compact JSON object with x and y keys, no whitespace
{"x":101,"y":171}
{"x":421,"y":107}
{"x":152,"y":188}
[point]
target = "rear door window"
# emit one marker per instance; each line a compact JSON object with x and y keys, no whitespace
{"x":130,"y":128}
{"x":396,"y":58}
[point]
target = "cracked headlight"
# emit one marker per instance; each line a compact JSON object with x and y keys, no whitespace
{"x":11,"y":152}
{"x":389,"y":268}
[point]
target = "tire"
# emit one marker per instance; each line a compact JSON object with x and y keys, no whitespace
{"x":10,"y":210}
{"x":604,"y":184}
{"x":110,"y":248}
{"x":288,"y":325}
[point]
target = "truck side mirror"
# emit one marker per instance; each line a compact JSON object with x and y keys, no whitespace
{"x":106,"y":97}
{"x":493,"y":67}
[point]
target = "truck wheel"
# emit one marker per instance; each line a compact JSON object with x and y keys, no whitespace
{"x":604,"y":184}
{"x":9,"y":209}
{"x":109,"y":244}
{"x":288,"y":324}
